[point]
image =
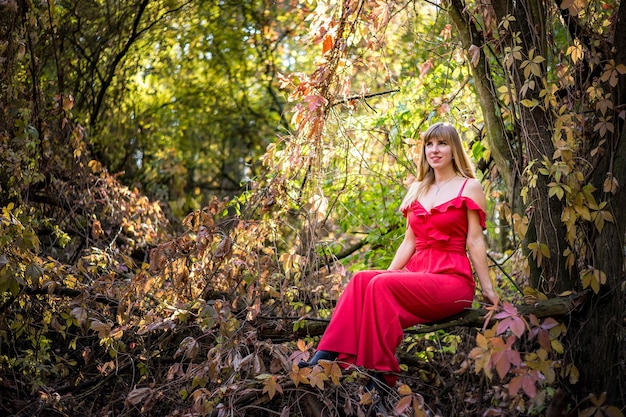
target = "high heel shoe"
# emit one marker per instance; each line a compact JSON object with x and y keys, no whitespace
{"x":320,"y":355}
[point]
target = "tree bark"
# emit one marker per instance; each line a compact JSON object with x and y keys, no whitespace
{"x":533,"y":137}
{"x":501,"y":149}
{"x":600,"y":352}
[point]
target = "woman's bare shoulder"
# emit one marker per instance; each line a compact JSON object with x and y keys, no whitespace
{"x":474,"y":190}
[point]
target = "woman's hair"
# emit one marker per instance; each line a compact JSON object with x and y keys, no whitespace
{"x":425,"y":174}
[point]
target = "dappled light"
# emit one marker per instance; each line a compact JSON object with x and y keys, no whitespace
{"x":186,"y":187}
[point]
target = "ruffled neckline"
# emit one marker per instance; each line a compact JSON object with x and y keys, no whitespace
{"x":456,"y":202}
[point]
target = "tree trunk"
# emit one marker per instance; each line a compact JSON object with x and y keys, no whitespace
{"x":599,"y":333}
{"x":533,"y":140}
{"x":496,"y":137}
{"x":594,"y":337}
{"x":535,"y":128}
{"x":601,"y":352}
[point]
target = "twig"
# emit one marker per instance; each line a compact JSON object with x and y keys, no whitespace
{"x":361,"y":97}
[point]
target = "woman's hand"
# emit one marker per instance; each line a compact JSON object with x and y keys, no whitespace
{"x":491,"y":296}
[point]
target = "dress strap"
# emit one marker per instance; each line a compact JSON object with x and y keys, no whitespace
{"x":463,"y":187}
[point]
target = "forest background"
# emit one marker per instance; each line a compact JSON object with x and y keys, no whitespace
{"x":186,"y":186}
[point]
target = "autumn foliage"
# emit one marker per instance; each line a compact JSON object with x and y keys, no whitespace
{"x":130,"y":286}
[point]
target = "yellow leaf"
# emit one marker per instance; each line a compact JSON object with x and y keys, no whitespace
{"x":506,"y":21}
{"x":574,"y":6}
{"x":95,"y":166}
{"x":600,"y":276}
{"x":366,"y":399}
{"x":576,"y":51}
{"x":557,"y":346}
{"x":317,"y":377}
{"x":587,"y":191}
{"x":556,"y":190}
{"x":271,"y":386}
{"x":538,"y":59}
{"x":482,"y":341}
{"x":530,"y":103}
{"x":481,"y":361}
{"x":299,"y":375}
{"x":583,"y":212}
{"x":404,"y":390}
{"x":117,"y":333}
{"x":610,"y":184}
{"x":612,"y":411}
{"x":589,"y":280}
{"x":598,"y":401}
{"x":102,"y":328}
{"x":598,"y":220}
{"x":303,"y":346}
{"x":524,"y":194}
{"x":332,"y":370}
{"x":418,"y":406}
{"x":573,"y":373}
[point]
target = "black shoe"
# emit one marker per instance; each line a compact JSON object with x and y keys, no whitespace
{"x":320,"y":355}
{"x":377,"y":383}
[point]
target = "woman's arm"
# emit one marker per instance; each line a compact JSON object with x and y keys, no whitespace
{"x":405,"y":250}
{"x":476,"y":241}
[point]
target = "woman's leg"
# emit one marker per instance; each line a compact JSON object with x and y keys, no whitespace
{"x":342,"y":333}
{"x":397,"y":300}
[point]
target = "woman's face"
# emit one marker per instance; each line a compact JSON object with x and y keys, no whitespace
{"x":438,"y":152}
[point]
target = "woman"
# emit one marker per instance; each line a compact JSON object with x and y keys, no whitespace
{"x":430,"y":277}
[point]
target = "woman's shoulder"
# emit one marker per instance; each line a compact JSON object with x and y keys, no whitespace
{"x":473,"y":185}
{"x":474,"y":190}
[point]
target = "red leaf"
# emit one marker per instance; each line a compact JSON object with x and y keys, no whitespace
{"x":328,"y":43}
{"x":544,"y":340}
{"x":503,"y":366}
{"x":515,"y":384}
{"x":509,"y":310}
{"x":314,"y":101}
{"x":517,"y":327}
{"x":528,"y":384}
{"x":403,"y":404}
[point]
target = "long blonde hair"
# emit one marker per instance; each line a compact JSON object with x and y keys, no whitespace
{"x":425,"y":174}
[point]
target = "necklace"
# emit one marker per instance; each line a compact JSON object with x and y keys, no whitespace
{"x":439,"y":187}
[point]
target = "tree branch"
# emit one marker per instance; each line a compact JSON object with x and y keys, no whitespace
{"x":70,"y":292}
{"x":553,"y":307}
{"x":361,"y":97}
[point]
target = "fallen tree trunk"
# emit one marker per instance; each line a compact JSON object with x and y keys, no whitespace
{"x":308,"y":326}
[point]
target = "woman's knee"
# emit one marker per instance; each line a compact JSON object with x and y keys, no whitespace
{"x":379,"y":283}
{"x":365,"y":276}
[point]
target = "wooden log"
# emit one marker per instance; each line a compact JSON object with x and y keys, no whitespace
{"x":308,"y":326}
{"x":552,"y":307}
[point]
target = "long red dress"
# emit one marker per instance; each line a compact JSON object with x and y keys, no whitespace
{"x":367,"y":324}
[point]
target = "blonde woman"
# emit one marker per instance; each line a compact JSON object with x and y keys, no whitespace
{"x":430,"y":277}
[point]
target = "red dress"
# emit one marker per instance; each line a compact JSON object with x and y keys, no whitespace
{"x":367,"y":324}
